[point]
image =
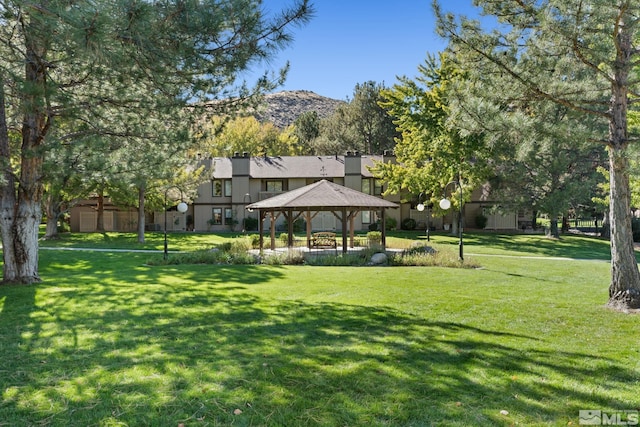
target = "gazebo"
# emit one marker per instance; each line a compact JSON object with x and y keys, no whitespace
{"x":345,"y":203}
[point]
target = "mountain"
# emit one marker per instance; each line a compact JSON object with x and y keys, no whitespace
{"x":283,"y":108}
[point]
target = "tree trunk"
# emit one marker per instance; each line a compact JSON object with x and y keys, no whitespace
{"x":624,"y":291}
{"x":100,"y":211}
{"x":534,"y":220}
{"x":25,"y":244}
{"x":19,"y":225}
{"x":52,"y":209}
{"x":7,"y":196}
{"x":553,"y":231}
{"x":51,"y":232}
{"x":141,"y":197}
{"x":21,"y":212}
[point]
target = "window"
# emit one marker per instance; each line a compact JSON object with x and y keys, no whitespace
{"x":377,"y":187}
{"x":216,"y":188}
{"x":366,"y":217}
{"x":228,"y":215}
{"x":274,"y":186}
{"x":218,"y":185}
{"x":366,"y":186}
{"x":216,"y":216}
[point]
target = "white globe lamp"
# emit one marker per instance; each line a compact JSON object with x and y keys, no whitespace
{"x":445,"y":204}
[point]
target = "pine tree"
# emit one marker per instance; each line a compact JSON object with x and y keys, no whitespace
{"x":578,"y":54}
{"x":102,"y":67}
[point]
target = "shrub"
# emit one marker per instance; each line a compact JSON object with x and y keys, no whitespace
{"x":251,"y":224}
{"x":224,"y":247}
{"x":481,"y":221}
{"x":290,"y":258}
{"x":354,"y":259}
{"x":299,"y":225}
{"x":232,"y":222}
{"x":240,"y":246}
{"x":233,"y":252}
{"x":63,"y":227}
{"x":409,"y":224}
{"x":373,"y":226}
{"x":426,"y":256}
{"x":208,"y":256}
{"x":340,"y":260}
{"x":254,"y":240}
{"x":374,"y":237}
{"x":391,"y":224}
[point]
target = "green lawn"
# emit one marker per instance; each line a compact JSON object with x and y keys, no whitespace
{"x":106,"y":340}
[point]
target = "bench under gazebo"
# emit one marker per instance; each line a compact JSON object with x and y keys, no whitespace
{"x":321,"y":196}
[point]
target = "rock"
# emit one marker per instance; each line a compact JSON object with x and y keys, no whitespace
{"x":379,"y":258}
{"x":283,"y":108}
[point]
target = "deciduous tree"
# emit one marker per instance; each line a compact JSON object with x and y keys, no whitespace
{"x":430,"y":153}
{"x":246,"y":134}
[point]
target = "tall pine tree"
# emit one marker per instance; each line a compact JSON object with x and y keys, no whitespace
{"x":78,"y":61}
{"x":581,"y":55}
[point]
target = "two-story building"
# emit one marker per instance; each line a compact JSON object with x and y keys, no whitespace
{"x":242,"y":179}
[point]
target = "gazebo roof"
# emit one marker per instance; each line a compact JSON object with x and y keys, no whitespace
{"x":322,"y":195}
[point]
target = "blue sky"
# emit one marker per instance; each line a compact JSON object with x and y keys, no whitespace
{"x":355,"y":41}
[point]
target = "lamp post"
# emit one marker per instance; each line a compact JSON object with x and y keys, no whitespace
{"x":420,"y":208}
{"x":445,"y":204}
{"x":182,"y":208}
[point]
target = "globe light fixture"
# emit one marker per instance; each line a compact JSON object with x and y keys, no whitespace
{"x":445,"y":204}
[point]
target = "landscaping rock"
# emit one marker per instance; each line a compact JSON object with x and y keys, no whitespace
{"x":379,"y":259}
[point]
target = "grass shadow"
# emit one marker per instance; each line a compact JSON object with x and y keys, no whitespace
{"x":144,"y":350}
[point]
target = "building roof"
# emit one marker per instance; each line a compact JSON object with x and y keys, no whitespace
{"x":221,"y":166}
{"x":297,"y":167}
{"x":283,"y":167}
{"x":322,"y":195}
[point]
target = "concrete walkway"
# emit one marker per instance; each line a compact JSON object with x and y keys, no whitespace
{"x":107,"y":250}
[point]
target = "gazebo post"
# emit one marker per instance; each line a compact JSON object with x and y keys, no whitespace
{"x":352,"y":216}
{"x":383,"y":223}
{"x":261,"y":228}
{"x":308,"y":219}
{"x":344,"y":230}
{"x":290,"y":220}
{"x":273,"y":230}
